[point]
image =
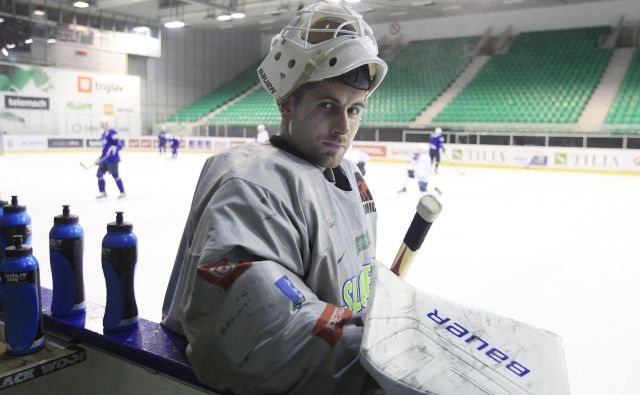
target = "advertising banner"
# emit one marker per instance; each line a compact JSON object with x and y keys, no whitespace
{"x":86,"y":97}
{"x":26,"y":99}
{"x":589,"y":159}
{"x":22,"y":142}
{"x":46,"y":100}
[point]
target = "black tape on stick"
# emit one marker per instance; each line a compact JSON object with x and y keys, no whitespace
{"x":417,"y":232}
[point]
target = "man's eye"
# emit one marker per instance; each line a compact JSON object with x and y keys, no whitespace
{"x":326,"y":105}
{"x":355,"y":111}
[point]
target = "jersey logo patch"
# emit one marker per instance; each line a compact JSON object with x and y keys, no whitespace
{"x":365,"y":195}
{"x":223,"y":273}
{"x":363,"y":242}
{"x":330,"y":323}
{"x":290,"y":291}
{"x":357,"y":289}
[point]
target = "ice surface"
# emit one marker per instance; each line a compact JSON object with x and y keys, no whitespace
{"x":556,"y":250}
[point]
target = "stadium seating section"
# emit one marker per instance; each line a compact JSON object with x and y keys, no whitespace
{"x":626,"y":106}
{"x":417,"y":75}
{"x":217,"y":98}
{"x":255,"y":108}
{"x":547,"y":77}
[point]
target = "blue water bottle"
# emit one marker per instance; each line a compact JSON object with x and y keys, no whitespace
{"x":66,"y":240}
{"x":14,"y":221}
{"x":119,"y":256}
{"x":22,"y":304}
{"x":2,"y":204}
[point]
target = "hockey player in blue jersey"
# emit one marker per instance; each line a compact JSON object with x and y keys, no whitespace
{"x":175,"y":144}
{"x":109,"y":159}
{"x":162,"y":142}
{"x":436,"y":144}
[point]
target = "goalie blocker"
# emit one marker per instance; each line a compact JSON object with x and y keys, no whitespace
{"x":416,"y":343}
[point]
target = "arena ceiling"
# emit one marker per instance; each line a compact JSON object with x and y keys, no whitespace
{"x":273,"y":14}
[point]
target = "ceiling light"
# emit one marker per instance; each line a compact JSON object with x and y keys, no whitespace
{"x":37,"y":12}
{"x":141,"y":29}
{"x":399,"y":13}
{"x":11,"y":46}
{"x":5,"y":52}
{"x":28,"y":41}
{"x":174,"y":24}
{"x":81,"y":4}
{"x":238,"y":15}
{"x":51,"y":41}
{"x":1,"y":20}
{"x":353,"y":1}
{"x":419,"y":3}
{"x":451,"y":7}
{"x":224,"y":17}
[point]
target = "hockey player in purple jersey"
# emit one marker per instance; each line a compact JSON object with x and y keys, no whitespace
{"x":162,"y":142}
{"x":109,"y":159}
{"x":436,"y":144}
{"x":175,"y":144}
{"x":272,"y":277}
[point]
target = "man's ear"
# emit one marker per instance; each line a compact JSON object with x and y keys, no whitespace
{"x":287,"y":107}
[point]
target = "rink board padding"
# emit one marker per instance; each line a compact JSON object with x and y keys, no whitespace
{"x":149,"y":344}
{"x":56,"y":355}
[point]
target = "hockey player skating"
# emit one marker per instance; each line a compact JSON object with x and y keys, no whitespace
{"x":419,"y":169}
{"x":109,"y":159}
{"x":162,"y":142}
{"x":436,"y":144}
{"x":359,"y":157}
{"x":175,"y":144}
{"x":273,"y":271}
{"x":263,"y":134}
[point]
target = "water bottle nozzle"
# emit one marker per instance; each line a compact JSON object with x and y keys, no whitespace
{"x":17,"y":241}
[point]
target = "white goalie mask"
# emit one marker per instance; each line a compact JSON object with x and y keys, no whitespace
{"x":322,"y":41}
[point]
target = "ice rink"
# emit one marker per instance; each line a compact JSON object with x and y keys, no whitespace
{"x":555,"y":250}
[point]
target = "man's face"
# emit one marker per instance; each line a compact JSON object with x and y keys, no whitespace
{"x":324,"y":119}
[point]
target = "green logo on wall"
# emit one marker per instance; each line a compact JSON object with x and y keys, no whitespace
{"x":457,"y":154}
{"x":79,"y":106}
{"x":15,"y":79}
{"x":560,"y":158}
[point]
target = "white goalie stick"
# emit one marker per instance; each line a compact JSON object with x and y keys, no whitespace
{"x":417,"y":343}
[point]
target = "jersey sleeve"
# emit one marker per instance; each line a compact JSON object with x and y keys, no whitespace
{"x":252,"y":323}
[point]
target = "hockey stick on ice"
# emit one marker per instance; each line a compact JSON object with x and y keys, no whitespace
{"x":86,"y":166}
{"x":417,"y":343}
{"x":456,"y":168}
{"x":427,"y":211}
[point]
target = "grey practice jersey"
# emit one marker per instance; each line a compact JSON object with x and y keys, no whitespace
{"x":273,"y":273}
